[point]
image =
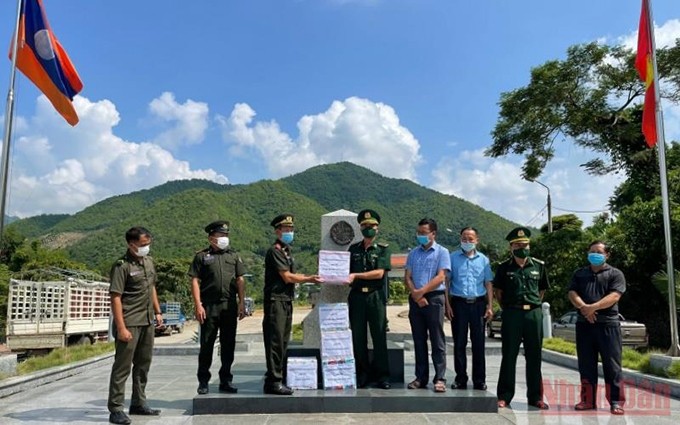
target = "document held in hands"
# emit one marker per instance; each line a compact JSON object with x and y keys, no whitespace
{"x":334,"y":266}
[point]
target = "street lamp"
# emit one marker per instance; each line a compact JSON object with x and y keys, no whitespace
{"x":550,"y":228}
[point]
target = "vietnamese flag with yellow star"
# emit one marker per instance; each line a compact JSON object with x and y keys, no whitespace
{"x":645,"y":67}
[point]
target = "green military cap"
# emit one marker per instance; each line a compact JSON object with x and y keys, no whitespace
{"x":219,"y":226}
{"x":368,"y":217}
{"x":282,"y":220}
{"x":518,"y":234}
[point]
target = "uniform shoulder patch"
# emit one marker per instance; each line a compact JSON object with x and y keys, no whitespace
{"x":537,"y":260}
{"x":383,"y":244}
{"x":120,"y":262}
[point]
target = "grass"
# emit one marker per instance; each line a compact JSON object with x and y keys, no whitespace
{"x":62,"y":356}
{"x":298,"y":332}
{"x":630,"y":359}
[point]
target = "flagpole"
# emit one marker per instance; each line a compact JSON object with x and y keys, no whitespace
{"x":674,"y":349}
{"x":9,"y":118}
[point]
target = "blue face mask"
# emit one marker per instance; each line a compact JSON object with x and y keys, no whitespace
{"x":287,"y":237}
{"x":422,"y":239}
{"x":596,"y":259}
{"x":468,"y":246}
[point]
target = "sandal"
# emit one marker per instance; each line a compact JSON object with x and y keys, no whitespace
{"x":616,"y":409}
{"x":440,"y":387}
{"x":414,"y":385}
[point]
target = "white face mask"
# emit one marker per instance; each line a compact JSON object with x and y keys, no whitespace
{"x":143,"y":251}
{"x":222,"y":242}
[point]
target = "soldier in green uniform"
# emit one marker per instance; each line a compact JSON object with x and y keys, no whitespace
{"x":369,"y":263}
{"x":134,"y":304}
{"x":520,"y":283}
{"x":279,"y":289}
{"x":216,"y":279}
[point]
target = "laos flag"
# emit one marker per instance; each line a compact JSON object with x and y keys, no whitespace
{"x":42,"y":60}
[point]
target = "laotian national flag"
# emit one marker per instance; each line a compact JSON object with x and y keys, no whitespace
{"x":42,"y":60}
{"x":645,"y":66}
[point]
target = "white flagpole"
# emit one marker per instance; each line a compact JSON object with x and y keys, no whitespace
{"x":674,"y":349}
{"x":9,"y":118}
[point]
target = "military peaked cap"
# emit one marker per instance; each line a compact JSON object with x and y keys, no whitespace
{"x":518,"y":234}
{"x":368,"y":217}
{"x":220,"y":226}
{"x":282,"y":220}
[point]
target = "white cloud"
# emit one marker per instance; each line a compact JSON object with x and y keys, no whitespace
{"x":61,"y":169}
{"x":664,"y":35}
{"x":497,"y":185}
{"x":356,"y":130}
{"x":190,"y":120}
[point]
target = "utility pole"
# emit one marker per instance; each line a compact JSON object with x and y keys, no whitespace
{"x":550,"y":226}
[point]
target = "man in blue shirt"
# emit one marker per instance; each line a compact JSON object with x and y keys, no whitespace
{"x":468,"y":305}
{"x":425,"y":276}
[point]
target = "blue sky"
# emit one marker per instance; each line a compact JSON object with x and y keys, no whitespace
{"x":238,"y":91}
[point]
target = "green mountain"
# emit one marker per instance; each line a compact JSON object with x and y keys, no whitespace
{"x":176,"y":213}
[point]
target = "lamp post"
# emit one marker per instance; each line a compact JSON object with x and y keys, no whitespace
{"x":550,"y":228}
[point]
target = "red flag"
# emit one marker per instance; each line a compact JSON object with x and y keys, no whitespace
{"x":42,"y":60}
{"x":644,"y":64}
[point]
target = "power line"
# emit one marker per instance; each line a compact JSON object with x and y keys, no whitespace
{"x":536,"y":216}
{"x":582,"y":211}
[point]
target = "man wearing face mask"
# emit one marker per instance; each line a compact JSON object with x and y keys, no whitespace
{"x":369,"y":264}
{"x":216,"y":280}
{"x":595,"y":291}
{"x":520,"y":284}
{"x":425,"y":279}
{"x":469,"y":303}
{"x":134,"y":305}
{"x":279,"y":290}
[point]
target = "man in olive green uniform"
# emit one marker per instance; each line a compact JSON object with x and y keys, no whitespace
{"x":369,"y":263}
{"x":216,"y":279}
{"x":279,"y":290}
{"x":134,"y":304}
{"x":520,"y":283}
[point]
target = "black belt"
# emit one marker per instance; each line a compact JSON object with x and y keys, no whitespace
{"x":524,"y":307}
{"x":365,"y":289}
{"x":469,"y":300}
{"x":433,"y":294}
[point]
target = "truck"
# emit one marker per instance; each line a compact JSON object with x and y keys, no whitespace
{"x":56,"y":313}
{"x":173,"y":319}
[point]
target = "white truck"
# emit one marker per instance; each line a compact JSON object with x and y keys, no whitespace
{"x":52,"y":314}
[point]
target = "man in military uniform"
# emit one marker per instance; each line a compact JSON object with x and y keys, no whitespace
{"x":134,"y":304}
{"x":279,"y":290}
{"x":520,"y":283}
{"x":216,"y":278}
{"x":369,"y":263}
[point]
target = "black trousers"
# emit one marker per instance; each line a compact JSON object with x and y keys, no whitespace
{"x":468,"y":317}
{"x":429,"y":320}
{"x":276,"y":327}
{"x":603,"y":339}
{"x":222,"y":318}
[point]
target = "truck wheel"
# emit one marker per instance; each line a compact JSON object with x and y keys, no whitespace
{"x":180,"y":329}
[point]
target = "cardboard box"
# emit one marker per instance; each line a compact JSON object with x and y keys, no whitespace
{"x":302,"y":373}
{"x":339,"y":374}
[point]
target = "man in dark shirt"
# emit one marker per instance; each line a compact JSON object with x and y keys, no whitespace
{"x":279,"y":290}
{"x":134,"y":304}
{"x":595,"y":291}
{"x":519,"y":284}
{"x":216,"y":278}
{"x":369,"y":264}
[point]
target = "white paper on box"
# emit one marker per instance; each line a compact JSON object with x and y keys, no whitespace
{"x":334,"y":266}
{"x":336,"y":344}
{"x":301,"y":373}
{"x":333,"y":316}
{"x":339,"y":374}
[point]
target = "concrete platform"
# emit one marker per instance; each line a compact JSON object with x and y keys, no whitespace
{"x":346,"y":401}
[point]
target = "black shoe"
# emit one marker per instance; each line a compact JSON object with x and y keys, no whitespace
{"x":458,"y":386}
{"x":228,"y":388}
{"x":480,"y":387}
{"x":383,"y":385}
{"x":277,"y":389}
{"x":540,"y":404}
{"x":144,"y":411}
{"x":202,"y":389}
{"x":119,"y":417}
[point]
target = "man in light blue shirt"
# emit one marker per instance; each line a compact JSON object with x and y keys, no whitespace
{"x":469,"y":304}
{"x":425,"y":279}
